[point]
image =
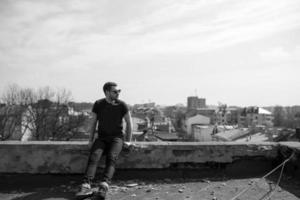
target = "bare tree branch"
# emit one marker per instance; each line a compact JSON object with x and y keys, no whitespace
{"x":43,"y":114}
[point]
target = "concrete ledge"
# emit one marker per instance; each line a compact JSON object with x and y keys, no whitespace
{"x":71,"y":157}
{"x":295,"y":146}
{"x":163,"y":155}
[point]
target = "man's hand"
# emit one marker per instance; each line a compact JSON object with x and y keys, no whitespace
{"x":127,"y":144}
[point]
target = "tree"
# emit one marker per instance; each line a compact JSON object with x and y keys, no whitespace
{"x":179,"y":120}
{"x":290,"y":121}
{"x":9,"y":119}
{"x":278,"y":116}
{"x":297,"y":119}
{"x":44,"y":113}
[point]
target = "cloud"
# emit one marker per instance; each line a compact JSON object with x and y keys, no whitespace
{"x":279,"y":54}
{"x":194,"y":27}
{"x":96,"y":38}
{"x":101,"y":30}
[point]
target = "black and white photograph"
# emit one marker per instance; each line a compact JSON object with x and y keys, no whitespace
{"x":150,"y":100}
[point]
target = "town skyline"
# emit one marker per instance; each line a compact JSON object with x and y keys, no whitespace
{"x":16,"y":92}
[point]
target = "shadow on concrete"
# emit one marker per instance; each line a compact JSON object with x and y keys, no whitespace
{"x":63,"y":187}
{"x":31,"y":187}
{"x":288,"y":182}
{"x":44,"y":194}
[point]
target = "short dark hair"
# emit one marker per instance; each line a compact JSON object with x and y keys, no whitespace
{"x":107,"y":86}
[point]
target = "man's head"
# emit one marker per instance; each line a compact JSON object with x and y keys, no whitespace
{"x":110,"y":90}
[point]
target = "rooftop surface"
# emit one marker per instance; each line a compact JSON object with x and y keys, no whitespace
{"x":218,"y":186}
{"x":209,"y":171}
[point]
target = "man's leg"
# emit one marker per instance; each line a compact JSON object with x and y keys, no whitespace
{"x":93,"y":160}
{"x":114,"y":147}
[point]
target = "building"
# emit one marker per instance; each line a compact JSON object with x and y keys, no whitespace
{"x":138,"y":124}
{"x":227,"y":116}
{"x":144,"y":105}
{"x":194,"y":102}
{"x":231,"y":134}
{"x":166,"y":136}
{"x":154,"y":113}
{"x":202,"y":133}
{"x":191,"y":123}
{"x":232,"y":118}
{"x":207,"y":112}
{"x":254,"y":116}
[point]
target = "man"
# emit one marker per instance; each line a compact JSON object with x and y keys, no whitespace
{"x":109,"y":112}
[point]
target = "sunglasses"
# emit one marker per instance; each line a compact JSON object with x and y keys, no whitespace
{"x":116,"y":91}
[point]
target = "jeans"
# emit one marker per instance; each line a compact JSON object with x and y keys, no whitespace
{"x":111,"y":147}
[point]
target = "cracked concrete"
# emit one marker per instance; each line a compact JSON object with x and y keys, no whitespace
{"x":71,"y":157}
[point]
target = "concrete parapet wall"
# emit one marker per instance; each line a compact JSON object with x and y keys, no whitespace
{"x":71,"y":157}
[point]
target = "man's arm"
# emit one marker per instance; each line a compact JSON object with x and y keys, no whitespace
{"x":128,"y":121}
{"x":92,"y":128}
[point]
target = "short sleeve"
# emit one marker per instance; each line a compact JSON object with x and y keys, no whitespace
{"x":95,"y":108}
{"x":124,"y":109}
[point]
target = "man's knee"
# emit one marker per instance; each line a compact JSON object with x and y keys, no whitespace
{"x":95,"y":156}
{"x":111,"y":159}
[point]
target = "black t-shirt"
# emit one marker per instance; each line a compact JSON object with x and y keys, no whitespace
{"x":110,"y":117}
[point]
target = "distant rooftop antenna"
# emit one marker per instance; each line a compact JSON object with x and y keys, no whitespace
{"x":196,"y":93}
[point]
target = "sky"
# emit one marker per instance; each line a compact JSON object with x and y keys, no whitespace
{"x":238,"y":52}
